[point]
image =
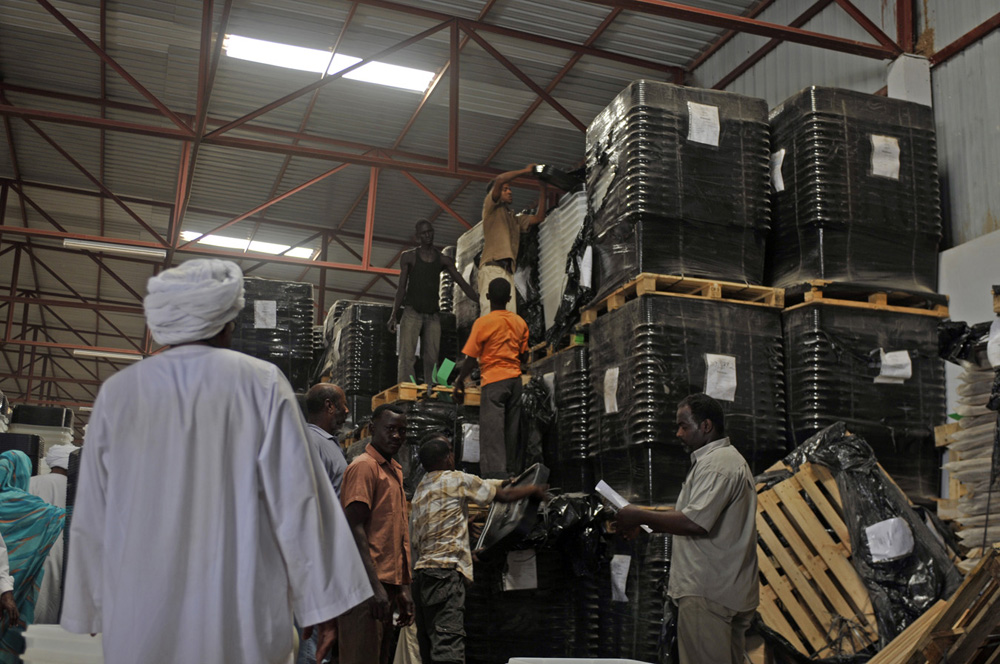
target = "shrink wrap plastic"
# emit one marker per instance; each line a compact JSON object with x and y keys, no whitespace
{"x":677,"y":181}
{"x":855,"y":185}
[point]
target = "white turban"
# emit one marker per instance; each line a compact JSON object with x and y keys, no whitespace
{"x":58,"y":456}
{"x":193,"y":301}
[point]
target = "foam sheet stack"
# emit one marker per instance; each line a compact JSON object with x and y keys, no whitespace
{"x":467,"y":250}
{"x":362,"y":358}
{"x":855,"y":190}
{"x":837,"y":371}
{"x":555,"y":239}
{"x":655,"y":350}
{"x":276,"y":325}
{"x":677,"y":184}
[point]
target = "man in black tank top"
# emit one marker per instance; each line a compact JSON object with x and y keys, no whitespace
{"x":417,"y":293}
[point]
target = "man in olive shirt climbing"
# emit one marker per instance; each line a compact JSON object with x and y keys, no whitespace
{"x":417,"y":292}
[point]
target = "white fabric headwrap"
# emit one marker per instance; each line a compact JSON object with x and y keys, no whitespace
{"x":58,"y":456}
{"x":193,"y":301}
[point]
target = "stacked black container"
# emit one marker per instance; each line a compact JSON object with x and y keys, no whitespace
{"x":833,"y":360}
{"x":677,"y":184}
{"x":422,"y":418}
{"x":276,"y":325}
{"x":651,"y":353}
{"x":446,"y":285}
{"x":362,"y":357}
{"x":566,"y":448}
{"x":855,"y":191}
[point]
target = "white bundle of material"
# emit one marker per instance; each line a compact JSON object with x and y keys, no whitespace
{"x":555,"y":239}
{"x":51,"y":644}
{"x":971,"y":452}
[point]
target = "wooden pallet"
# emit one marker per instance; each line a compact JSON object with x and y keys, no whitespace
{"x":810,"y":592}
{"x":660,"y":284}
{"x":545,"y":349}
{"x":966,"y":628}
{"x":414,"y":392}
{"x":822,"y":291}
{"x":901,"y":648}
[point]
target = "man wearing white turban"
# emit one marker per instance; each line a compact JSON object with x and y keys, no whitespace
{"x":202,"y":517}
{"x":51,"y":487}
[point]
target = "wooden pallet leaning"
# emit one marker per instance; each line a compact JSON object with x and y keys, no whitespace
{"x":967,"y":629}
{"x":414,"y":392}
{"x":810,"y":592}
{"x":822,"y":291}
{"x":692,"y":287}
{"x":901,"y":648}
{"x":545,"y":349}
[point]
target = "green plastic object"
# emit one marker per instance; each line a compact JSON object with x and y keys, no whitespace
{"x":445,"y":371}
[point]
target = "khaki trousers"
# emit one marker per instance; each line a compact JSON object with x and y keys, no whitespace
{"x":488,"y":273}
{"x":709,"y":633}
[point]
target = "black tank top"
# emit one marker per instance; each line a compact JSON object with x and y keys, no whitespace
{"x":422,"y":286}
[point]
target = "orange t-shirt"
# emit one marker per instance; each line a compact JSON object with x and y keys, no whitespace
{"x":498,"y":339}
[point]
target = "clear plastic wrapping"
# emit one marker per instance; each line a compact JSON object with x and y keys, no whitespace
{"x":855,"y":185}
{"x":833,"y":361}
{"x":276,"y":325}
{"x":677,"y":180}
{"x":655,"y":350}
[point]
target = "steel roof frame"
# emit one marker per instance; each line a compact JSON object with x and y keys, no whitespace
{"x":39,"y":371}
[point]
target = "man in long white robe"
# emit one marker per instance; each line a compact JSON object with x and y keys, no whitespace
{"x":51,"y":487}
{"x":202,"y":517}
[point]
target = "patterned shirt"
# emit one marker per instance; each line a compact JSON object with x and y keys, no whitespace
{"x":440,"y":518}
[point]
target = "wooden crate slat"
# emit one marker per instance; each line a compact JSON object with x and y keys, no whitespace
{"x":902,"y":647}
{"x":975,"y":633}
{"x":810,"y":478}
{"x":779,"y":586}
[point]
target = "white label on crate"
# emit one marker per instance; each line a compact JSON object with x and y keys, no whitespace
{"x":611,"y":390}
{"x":703,"y":123}
{"x":889,"y":540}
{"x":620,"y":564}
{"x":586,"y":263}
{"x":777,"y":181}
{"x":470,"y":442}
{"x":265,"y":314}
{"x":550,"y":384}
{"x":720,"y":376}
{"x":522,"y":573}
{"x":885,"y":156}
{"x":993,"y":345}
{"x":896,"y":367}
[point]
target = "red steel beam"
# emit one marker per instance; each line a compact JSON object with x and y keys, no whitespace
{"x":524,"y":78}
{"x":430,"y":194}
{"x":107,"y":59}
{"x":59,"y":379}
{"x":906,"y":33}
{"x":72,"y":304}
{"x":869,"y":26}
{"x":323,"y":81}
{"x":966,"y":40}
{"x":453,"y":99}
{"x":366,"y":254}
{"x":482,"y":26}
{"x":759,"y":54}
{"x":753,"y":26}
{"x":724,"y":38}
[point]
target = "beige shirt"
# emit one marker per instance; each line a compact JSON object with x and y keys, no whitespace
{"x":501,"y":231}
{"x":718,"y":494}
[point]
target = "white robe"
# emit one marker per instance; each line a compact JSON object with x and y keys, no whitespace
{"x":52,"y":489}
{"x":202,"y":516}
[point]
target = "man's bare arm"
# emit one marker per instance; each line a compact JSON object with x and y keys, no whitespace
{"x":509,"y":176}
{"x":405,"y":261}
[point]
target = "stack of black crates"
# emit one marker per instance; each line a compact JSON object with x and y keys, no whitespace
{"x":855,"y":191}
{"x":361,"y":357}
{"x":276,"y":325}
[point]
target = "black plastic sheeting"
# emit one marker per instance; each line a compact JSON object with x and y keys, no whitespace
{"x":964,"y":345}
{"x":527,"y":286}
{"x":566,"y":441}
{"x":362,"y":357}
{"x":577,"y":293}
{"x":659,"y":344}
{"x":674,"y":205}
{"x":289,"y":343}
{"x":841,"y":216}
{"x":901,"y":590}
{"x":832,"y":360}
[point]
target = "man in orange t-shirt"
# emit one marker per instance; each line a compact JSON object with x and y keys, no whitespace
{"x":499,"y":340}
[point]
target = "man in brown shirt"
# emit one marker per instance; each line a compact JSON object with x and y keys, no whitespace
{"x":502,"y":234}
{"x":375,"y":506}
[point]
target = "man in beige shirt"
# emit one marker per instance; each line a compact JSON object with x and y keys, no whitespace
{"x":713,"y":573}
{"x":502,"y":234}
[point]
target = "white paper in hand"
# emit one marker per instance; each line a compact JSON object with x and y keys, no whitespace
{"x":720,"y":376}
{"x":620,"y":564}
{"x":896,"y":367}
{"x":614,"y":498}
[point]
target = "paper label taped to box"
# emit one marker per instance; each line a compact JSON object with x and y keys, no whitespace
{"x":265,"y":314}
{"x":620,"y":565}
{"x":889,"y":540}
{"x":885,"y":156}
{"x":777,"y":159}
{"x":611,"y":390}
{"x":550,"y":384}
{"x":470,"y":442}
{"x":703,"y":123}
{"x":896,"y":367}
{"x":720,"y":376}
{"x":522,"y":572}
{"x":586,"y":264}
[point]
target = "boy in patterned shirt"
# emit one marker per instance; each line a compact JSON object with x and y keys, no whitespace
{"x":439,"y":526}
